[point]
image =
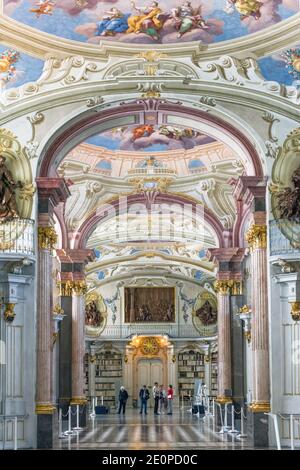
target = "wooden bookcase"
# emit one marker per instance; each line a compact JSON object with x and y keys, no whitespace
{"x":108,"y":376}
{"x":214,"y":374}
{"x":190,"y":367}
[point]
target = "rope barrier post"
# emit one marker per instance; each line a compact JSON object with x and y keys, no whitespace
{"x":93,"y":414}
{"x":60,"y":431}
{"x":223,"y":429}
{"x":292,"y":431}
{"x":232,"y":430}
{"x":102,"y":401}
{"x":242,"y":434}
{"x":77,"y":427}
{"x":15,"y":433}
{"x":213,"y":407}
{"x":69,"y":431}
{"x":275,"y":421}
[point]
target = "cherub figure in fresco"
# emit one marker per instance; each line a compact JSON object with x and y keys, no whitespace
{"x":186,"y":18}
{"x":149,"y":20}
{"x":113,"y":22}
{"x":44,"y":7}
{"x":245,"y":8}
{"x":142,"y":131}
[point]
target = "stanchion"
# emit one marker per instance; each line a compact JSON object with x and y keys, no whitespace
{"x":232,"y":430}
{"x":60,"y":431}
{"x":93,"y":414}
{"x":242,"y":434}
{"x":292,"y":431}
{"x":224,"y":426}
{"x":275,"y":421}
{"x":102,"y":402}
{"x":213,"y":407}
{"x":15,"y":433}
{"x":69,"y":431}
{"x":77,"y":427}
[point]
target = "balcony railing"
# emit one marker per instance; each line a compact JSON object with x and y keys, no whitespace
{"x":173,"y":331}
{"x":150,"y":170}
{"x":17,"y":236}
{"x":279,"y":243}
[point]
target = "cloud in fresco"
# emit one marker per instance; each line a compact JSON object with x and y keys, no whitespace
{"x":269,"y":16}
{"x":11,"y":5}
{"x":293,"y":5}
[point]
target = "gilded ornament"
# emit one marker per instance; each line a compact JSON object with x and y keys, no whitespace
{"x":261,"y":407}
{"x":69,"y":288}
{"x":9,"y":313}
{"x":78,"y":401}
{"x":44,"y":409}
{"x":47,"y":238}
{"x":149,"y":346}
{"x":229,"y":286}
{"x":247,"y":335}
{"x":223,"y":400}
{"x":245,"y":309}
{"x":295,"y":310}
{"x":256,"y":236}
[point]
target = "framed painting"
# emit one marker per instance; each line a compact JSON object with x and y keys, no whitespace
{"x":149,"y":304}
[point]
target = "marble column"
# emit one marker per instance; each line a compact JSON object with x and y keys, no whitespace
{"x":44,"y":405}
{"x":224,"y":342}
{"x":257,"y":240}
{"x":78,"y":344}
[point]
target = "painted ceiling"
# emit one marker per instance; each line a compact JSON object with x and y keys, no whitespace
{"x":148,"y":22}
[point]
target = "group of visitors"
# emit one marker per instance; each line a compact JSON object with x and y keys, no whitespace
{"x":163,"y":399}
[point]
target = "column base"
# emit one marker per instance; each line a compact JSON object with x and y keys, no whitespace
{"x":258,"y":428}
{"x":223,"y":400}
{"x":45,"y":430}
{"x":260,"y":407}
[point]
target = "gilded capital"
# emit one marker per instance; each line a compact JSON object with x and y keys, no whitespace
{"x":228,"y":287}
{"x":69,"y":288}
{"x":256,"y":236}
{"x":47,"y":238}
{"x":44,"y":409}
{"x":260,"y":407}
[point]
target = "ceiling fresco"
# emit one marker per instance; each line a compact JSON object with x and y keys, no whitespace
{"x":150,"y":138}
{"x":17,"y":68}
{"x":148,"y":22}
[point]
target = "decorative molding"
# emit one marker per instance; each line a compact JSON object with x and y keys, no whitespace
{"x":47,"y":238}
{"x":34,"y":119}
{"x":44,"y":409}
{"x":208,"y":101}
{"x":94,"y":101}
{"x":270,"y":119}
{"x":256,"y":237}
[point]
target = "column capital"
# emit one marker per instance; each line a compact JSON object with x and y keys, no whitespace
{"x":228,"y":287}
{"x":67,"y":288}
{"x":256,"y":236}
{"x":47,"y":238}
{"x":234,"y":255}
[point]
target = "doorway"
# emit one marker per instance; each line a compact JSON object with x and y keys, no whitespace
{"x":148,"y":372}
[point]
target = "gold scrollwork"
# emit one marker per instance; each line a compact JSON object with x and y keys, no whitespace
{"x":47,"y":238}
{"x":256,"y":236}
{"x":69,"y":288}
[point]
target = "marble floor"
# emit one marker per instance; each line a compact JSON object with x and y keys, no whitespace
{"x":134,"y":431}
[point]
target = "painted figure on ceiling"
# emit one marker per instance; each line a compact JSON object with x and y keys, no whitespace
{"x":142,"y":131}
{"x":44,"y":7}
{"x":245,"y":8}
{"x":113,"y":22}
{"x":149,"y":20}
{"x":186,"y":18}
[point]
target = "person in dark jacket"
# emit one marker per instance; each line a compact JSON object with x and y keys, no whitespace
{"x":123,"y":397}
{"x":144,"y":397}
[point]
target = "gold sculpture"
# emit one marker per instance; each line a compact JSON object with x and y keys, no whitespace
{"x":257,"y":236}
{"x":47,"y":238}
{"x":8,"y":204}
{"x":295,"y":310}
{"x":9,"y":313}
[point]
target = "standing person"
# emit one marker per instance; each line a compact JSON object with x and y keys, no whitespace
{"x":162,"y":399}
{"x":123,"y":397}
{"x":156,"y":394}
{"x":170,"y":399}
{"x":144,"y":396}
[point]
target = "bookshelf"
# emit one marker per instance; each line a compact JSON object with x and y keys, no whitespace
{"x":108,"y":376}
{"x":86,"y":374}
{"x":214,"y":374}
{"x":190,"y":367}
